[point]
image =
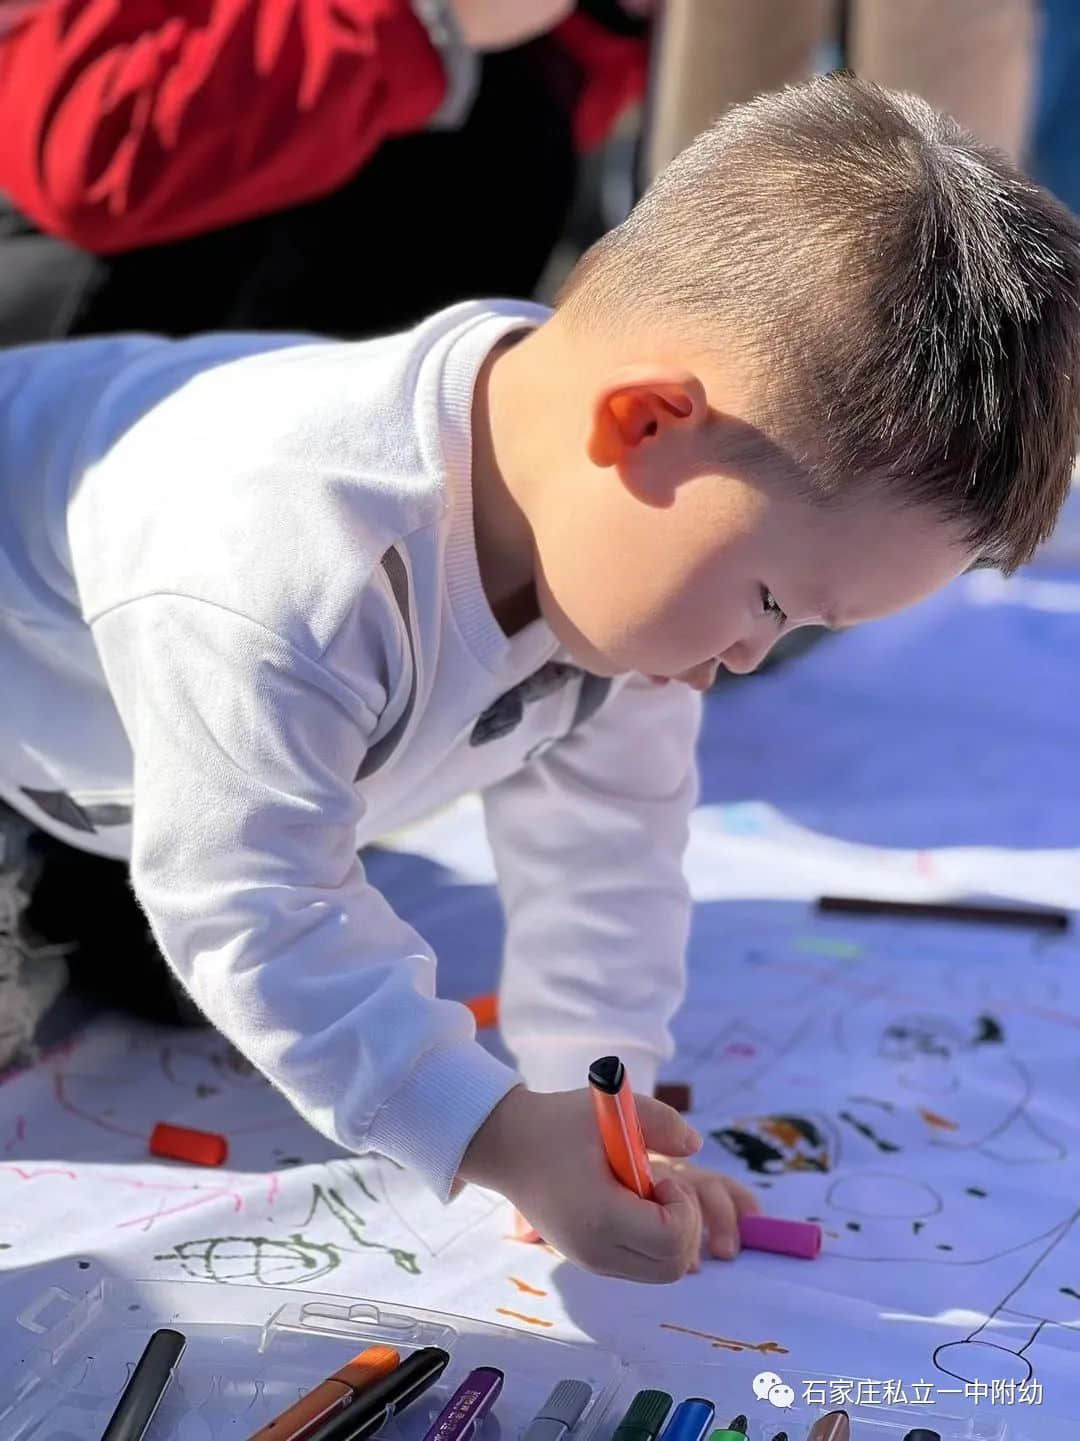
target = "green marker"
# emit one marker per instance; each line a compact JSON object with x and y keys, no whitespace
{"x":735,"y":1432}
{"x":644,"y":1418}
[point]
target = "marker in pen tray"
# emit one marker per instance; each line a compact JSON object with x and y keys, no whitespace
{"x":385,"y":1397}
{"x":334,"y":1394}
{"x":147,"y":1385}
{"x":690,"y":1421}
{"x":735,"y":1432}
{"x":834,"y":1426}
{"x":644,"y":1417}
{"x":460,"y":1418}
{"x":560,"y":1413}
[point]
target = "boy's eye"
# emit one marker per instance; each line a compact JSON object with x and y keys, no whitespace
{"x":770,"y":607}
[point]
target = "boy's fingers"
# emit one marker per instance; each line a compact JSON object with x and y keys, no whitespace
{"x":746,"y":1203}
{"x":721,"y":1216}
{"x":661,"y":1234}
{"x":665,"y":1130}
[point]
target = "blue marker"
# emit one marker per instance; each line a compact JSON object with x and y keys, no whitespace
{"x":690,"y":1420}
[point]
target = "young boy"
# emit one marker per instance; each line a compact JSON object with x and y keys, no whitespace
{"x":263,"y":599}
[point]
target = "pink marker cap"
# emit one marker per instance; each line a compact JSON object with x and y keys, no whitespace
{"x":786,"y":1238}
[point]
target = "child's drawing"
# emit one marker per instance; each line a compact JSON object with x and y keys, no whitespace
{"x":295,"y":1258}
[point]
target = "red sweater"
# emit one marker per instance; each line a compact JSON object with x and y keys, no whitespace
{"x":126,"y":123}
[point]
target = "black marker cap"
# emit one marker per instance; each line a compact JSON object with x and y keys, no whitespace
{"x":607,"y":1074}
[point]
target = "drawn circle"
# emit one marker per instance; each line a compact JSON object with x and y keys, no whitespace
{"x":982,"y":1361}
{"x":882,"y":1196}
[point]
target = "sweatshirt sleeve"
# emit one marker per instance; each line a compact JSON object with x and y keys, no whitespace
{"x":588,"y":842}
{"x":244,"y":858}
{"x":129,"y":124}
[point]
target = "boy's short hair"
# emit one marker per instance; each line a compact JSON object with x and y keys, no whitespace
{"x":909,"y":299}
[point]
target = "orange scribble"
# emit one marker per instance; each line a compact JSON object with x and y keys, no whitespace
{"x":524,"y":1287}
{"x":517,"y":1315}
{"x":525,"y":1241}
{"x":725,"y":1343}
{"x":933,"y":1119}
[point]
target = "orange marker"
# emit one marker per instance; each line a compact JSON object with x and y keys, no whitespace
{"x":485,"y":1011}
{"x":182,"y":1143}
{"x":305,"y":1416}
{"x":620,"y":1129}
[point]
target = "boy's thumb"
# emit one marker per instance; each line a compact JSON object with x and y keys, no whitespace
{"x":665,"y":1130}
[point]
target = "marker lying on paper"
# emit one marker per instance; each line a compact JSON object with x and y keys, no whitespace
{"x":147,"y":1385}
{"x":783,"y":1237}
{"x":376,"y":1403}
{"x":1036,"y":917}
{"x":329,"y":1397}
{"x":460,"y":1418}
{"x":560,"y":1413}
{"x":183,"y":1143}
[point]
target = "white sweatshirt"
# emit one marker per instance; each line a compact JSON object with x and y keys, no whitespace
{"x":242,"y":631}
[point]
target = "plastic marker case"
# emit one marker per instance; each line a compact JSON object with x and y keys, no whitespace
{"x":253,"y":1350}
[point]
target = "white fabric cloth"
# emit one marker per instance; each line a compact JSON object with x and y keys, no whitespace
{"x":243,"y":631}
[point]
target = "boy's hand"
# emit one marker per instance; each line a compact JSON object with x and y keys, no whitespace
{"x":720,"y":1202}
{"x":543,"y":1152}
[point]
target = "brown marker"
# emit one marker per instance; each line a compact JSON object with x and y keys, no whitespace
{"x":330,"y":1396}
{"x":834,"y":1426}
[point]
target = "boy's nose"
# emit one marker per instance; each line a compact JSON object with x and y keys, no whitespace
{"x":701,"y":676}
{"x":747,"y":655}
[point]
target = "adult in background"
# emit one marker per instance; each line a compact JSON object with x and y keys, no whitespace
{"x":342,"y":166}
{"x":977,"y":60}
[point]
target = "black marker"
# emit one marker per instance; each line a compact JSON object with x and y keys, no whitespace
{"x":145,"y":1388}
{"x":374,"y":1406}
{"x":1038,"y":918}
{"x":921,"y":1433}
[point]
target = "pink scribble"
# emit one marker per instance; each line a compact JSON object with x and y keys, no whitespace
{"x":273,"y":1188}
{"x":66,"y":1104}
{"x":24,"y":1175}
{"x":924,"y":863}
{"x":152,"y":1216}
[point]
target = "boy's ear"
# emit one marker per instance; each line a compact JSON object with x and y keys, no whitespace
{"x":636,"y":406}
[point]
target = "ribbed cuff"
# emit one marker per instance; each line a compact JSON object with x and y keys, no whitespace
{"x":429,"y":1122}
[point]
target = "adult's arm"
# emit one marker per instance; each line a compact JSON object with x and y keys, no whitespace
{"x":126,"y":123}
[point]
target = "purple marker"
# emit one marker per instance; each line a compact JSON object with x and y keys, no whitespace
{"x":786,"y":1238}
{"x":460,"y":1418}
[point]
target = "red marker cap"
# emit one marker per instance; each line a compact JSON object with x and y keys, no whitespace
{"x":181,"y":1143}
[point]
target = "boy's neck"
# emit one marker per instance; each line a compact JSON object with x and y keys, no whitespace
{"x":504,"y":541}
